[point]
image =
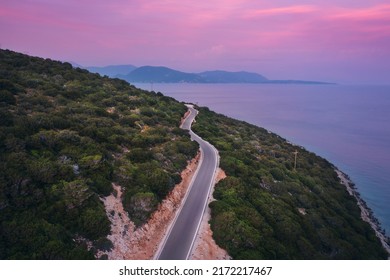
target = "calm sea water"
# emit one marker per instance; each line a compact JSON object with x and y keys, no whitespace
{"x":348,"y":125}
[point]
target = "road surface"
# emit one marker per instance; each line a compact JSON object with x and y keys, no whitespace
{"x":182,"y":233}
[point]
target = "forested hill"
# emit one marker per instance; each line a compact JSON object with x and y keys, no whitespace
{"x":67,"y":134}
{"x":268,"y":209}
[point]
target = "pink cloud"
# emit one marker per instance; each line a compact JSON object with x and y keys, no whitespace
{"x":44,"y":19}
{"x":282,"y":11}
{"x":311,"y":29}
{"x":352,"y":28}
{"x":362,"y":14}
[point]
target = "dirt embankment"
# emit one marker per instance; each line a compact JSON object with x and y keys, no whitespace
{"x":142,"y":243}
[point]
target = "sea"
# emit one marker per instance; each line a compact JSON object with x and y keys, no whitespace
{"x":349,"y":125}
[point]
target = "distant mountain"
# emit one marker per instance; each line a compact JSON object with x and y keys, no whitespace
{"x":112,"y":70}
{"x":76,"y":65}
{"x":160,"y":74}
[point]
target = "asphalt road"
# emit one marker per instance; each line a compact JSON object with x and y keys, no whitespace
{"x":181,"y":236}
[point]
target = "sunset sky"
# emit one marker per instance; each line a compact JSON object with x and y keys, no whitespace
{"x":345,"y":41}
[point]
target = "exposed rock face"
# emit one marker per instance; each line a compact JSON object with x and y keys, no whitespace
{"x":141,"y":243}
{"x":121,"y":225}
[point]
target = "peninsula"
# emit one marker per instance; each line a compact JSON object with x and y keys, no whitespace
{"x":161,"y":74}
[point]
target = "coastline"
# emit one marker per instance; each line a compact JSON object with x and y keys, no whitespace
{"x":275,"y":108}
{"x":367,"y":214}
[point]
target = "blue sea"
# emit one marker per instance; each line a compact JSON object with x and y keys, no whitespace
{"x":348,"y":125}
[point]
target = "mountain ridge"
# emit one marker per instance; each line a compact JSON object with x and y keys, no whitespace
{"x":163,"y":74}
{"x":159,"y":74}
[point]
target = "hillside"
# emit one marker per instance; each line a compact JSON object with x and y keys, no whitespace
{"x":267,"y":209}
{"x":66,"y":135}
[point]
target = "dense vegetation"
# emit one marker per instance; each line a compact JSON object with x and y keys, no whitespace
{"x":65,"y":136}
{"x":267,"y":209}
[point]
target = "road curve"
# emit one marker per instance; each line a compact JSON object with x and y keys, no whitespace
{"x":182,"y":233}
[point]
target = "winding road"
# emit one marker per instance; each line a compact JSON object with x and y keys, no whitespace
{"x":182,"y":233}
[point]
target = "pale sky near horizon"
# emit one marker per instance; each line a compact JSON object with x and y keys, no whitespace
{"x":344,"y":41}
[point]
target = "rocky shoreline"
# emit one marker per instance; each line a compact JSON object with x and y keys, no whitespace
{"x":366,"y":213}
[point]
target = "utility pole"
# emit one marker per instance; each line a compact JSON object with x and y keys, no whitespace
{"x":295,"y":159}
